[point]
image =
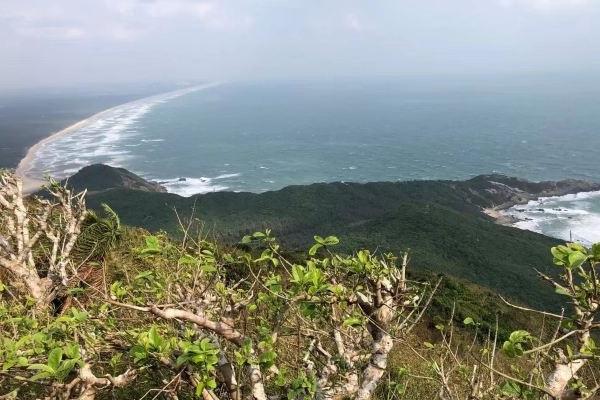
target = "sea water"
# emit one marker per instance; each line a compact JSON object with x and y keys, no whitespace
{"x":573,"y":217}
{"x":264,"y":136}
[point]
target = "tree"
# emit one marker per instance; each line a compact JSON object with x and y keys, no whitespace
{"x":551,"y":364}
{"x":37,"y":238}
{"x":197,"y":319}
{"x":341,"y":314}
{"x":193,"y":317}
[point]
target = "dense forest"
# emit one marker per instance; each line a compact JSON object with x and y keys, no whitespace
{"x":440,"y":223}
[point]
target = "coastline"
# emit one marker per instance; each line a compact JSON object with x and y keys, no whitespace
{"x":500,"y":217}
{"x":33,"y":183}
{"x":573,"y":216}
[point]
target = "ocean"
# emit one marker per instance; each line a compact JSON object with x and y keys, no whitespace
{"x":574,"y":217}
{"x":30,"y":115}
{"x":264,"y":136}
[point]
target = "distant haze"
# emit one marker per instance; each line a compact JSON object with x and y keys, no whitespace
{"x":76,"y":42}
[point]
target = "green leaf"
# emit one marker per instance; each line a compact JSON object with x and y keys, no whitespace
{"x":513,"y":347}
{"x":188,"y":260}
{"x":152,"y":246}
{"x":519,"y":336}
{"x":363,"y":256}
{"x":65,"y":369}
{"x":576,"y":259}
{"x":208,"y":268}
{"x":152,"y":242}
{"x":22,"y":361}
{"x":313,"y":250}
{"x":352,"y":322}
{"x":331,"y":241}
{"x":41,"y":367}
{"x":54,"y":358}
{"x":512,"y":350}
{"x":143,"y":275}
{"x":560,"y":254}
{"x":469,"y":321}
{"x":155,"y":339}
{"x":589,"y":348}
{"x":267,"y":358}
{"x":596,"y":251}
{"x":247,"y":239}
{"x":210,"y":383}
{"x":563,"y":291}
{"x":41,"y":375}
{"x":576,"y":247}
{"x":139,"y":353}
{"x":199,"y":389}
{"x":117,"y":290}
{"x":71,"y":350}
{"x":511,"y":389}
{"x":297,"y":274}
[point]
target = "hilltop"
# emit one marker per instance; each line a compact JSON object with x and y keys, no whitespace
{"x":443,"y":223}
{"x":99,"y":177}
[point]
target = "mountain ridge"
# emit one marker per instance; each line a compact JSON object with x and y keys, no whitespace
{"x":442,"y":223}
{"x":502,"y":189}
{"x":99,"y":177}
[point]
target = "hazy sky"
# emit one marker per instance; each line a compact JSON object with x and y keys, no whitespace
{"x":59,"y":42}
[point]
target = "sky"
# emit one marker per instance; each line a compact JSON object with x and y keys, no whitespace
{"x":53,"y":43}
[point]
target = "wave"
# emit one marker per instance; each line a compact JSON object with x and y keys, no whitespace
{"x":187,"y":187}
{"x":569,"y":217}
{"x":101,"y":138}
{"x":225,"y":176}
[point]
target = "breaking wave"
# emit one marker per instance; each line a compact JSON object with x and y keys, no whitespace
{"x":106,"y":137}
{"x":571,"y":217}
{"x":190,"y":186}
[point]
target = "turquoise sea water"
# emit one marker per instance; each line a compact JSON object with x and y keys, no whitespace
{"x":264,"y":136}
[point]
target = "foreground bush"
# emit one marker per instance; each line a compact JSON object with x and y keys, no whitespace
{"x":559,"y":361}
{"x":90,"y":311}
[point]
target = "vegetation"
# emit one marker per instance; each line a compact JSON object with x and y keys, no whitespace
{"x":149,"y":317}
{"x":439,"y":223}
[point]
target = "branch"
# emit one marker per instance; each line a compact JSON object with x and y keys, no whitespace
{"x":222,"y":329}
{"x":531,"y":309}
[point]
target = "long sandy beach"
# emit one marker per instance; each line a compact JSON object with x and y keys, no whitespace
{"x":33,"y":182}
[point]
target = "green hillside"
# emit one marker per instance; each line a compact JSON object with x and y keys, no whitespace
{"x":439,"y":221}
{"x":142,"y":307}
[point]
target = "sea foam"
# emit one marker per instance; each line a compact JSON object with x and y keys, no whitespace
{"x":103,"y":138}
{"x":190,"y":186}
{"x":571,"y":217}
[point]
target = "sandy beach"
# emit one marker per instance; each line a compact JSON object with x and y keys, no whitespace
{"x":499,"y":216}
{"x":32,"y":182}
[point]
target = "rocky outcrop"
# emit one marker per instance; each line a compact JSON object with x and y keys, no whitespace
{"x":500,"y":192}
{"x":100,"y":177}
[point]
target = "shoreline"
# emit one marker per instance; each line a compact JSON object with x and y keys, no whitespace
{"x":537,"y":211}
{"x":500,"y":217}
{"x":33,"y":183}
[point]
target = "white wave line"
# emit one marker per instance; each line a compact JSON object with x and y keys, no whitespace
{"x":92,"y":138}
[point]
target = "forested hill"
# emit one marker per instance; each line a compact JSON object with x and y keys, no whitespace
{"x":441,"y":222}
